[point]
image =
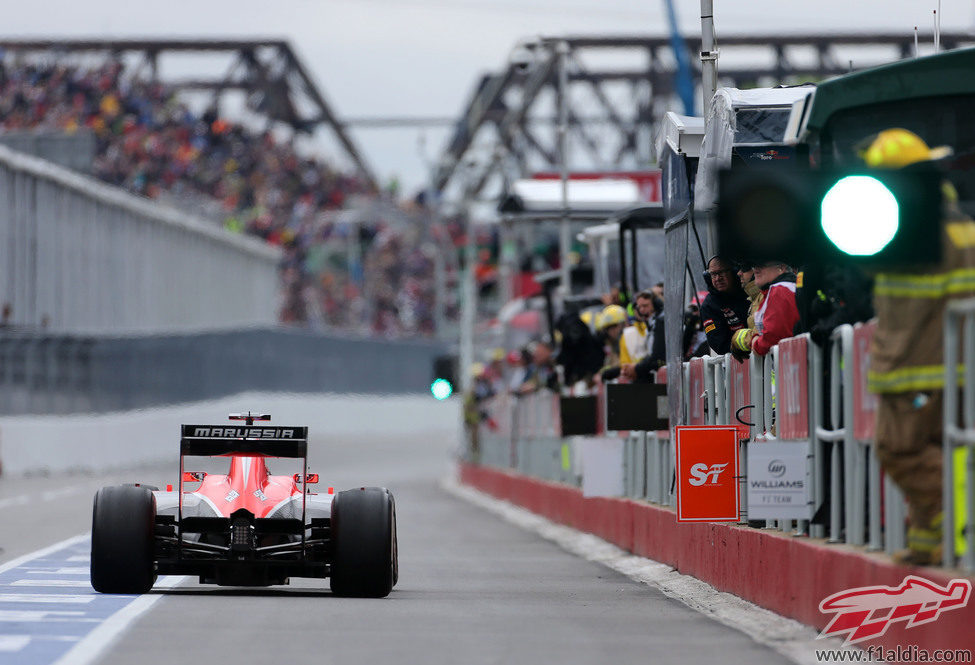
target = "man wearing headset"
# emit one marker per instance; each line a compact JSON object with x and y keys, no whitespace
{"x":725,"y":309}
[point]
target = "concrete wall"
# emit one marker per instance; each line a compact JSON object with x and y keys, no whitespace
{"x":79,"y":255}
{"x":47,"y":374}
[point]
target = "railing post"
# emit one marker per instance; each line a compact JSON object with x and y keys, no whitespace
{"x":950,"y":416}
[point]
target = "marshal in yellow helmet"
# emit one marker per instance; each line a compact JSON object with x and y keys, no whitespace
{"x":610,"y":316}
{"x":897,"y":147}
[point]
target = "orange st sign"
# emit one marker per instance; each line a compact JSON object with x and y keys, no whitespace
{"x":707,"y":473}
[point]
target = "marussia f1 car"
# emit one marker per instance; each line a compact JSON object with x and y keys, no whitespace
{"x":245,"y":528}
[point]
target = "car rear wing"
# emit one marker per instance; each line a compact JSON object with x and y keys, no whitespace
{"x":209,"y":440}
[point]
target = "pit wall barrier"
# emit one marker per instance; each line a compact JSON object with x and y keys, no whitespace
{"x":796,"y":393}
{"x":959,"y":433}
{"x":786,"y":575}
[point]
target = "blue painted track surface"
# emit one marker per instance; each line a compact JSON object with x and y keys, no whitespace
{"x":47,"y":605}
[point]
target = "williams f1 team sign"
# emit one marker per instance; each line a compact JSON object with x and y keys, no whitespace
{"x":707,"y":474}
{"x":778,"y":481}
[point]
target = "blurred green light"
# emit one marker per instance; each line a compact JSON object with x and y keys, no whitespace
{"x":860,"y":215}
{"x":441,"y":389}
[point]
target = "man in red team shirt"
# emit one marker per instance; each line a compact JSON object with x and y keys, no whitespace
{"x":778,"y":314}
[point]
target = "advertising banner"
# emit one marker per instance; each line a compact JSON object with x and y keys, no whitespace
{"x":740,"y":393}
{"x":778,"y":481}
{"x":695,"y":387}
{"x":707,"y":474}
{"x":602,"y":466}
{"x":864,"y":401}
{"x":793,"y":370}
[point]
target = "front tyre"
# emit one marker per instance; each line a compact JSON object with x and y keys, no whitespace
{"x":364,"y":547}
{"x":123,"y":522}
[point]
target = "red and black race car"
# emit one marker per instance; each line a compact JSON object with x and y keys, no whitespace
{"x":246,"y":527}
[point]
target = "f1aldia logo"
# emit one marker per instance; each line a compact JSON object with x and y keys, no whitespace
{"x":867,"y":612}
{"x":701,"y":472}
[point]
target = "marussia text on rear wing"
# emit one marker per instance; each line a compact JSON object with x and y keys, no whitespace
{"x":206,"y":440}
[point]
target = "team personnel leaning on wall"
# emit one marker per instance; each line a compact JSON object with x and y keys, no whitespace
{"x":776,"y":314}
{"x":725,"y":309}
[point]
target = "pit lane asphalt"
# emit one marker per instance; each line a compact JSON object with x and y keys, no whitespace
{"x":473,"y":588}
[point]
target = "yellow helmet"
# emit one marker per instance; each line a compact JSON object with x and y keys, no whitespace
{"x":742,"y":339}
{"x":897,"y":147}
{"x":611,"y":315}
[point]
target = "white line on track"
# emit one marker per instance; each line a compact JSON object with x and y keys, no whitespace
{"x":95,"y":642}
{"x":99,"y":639}
{"x":795,"y":641}
{"x":19,"y":561}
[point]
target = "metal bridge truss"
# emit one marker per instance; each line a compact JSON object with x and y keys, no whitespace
{"x":617,"y":88}
{"x":275,"y":83}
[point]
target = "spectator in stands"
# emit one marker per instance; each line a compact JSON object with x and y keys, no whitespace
{"x":778,"y":314}
{"x":6,"y":316}
{"x":725,"y":309}
{"x":150,"y":142}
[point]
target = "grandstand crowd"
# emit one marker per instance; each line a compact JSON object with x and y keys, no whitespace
{"x":353,"y":261}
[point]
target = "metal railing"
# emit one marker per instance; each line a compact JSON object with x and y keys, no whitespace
{"x":852,"y":500}
{"x":959,"y":432}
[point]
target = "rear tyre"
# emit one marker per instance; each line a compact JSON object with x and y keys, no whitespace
{"x":364,"y":557}
{"x":123,"y":522}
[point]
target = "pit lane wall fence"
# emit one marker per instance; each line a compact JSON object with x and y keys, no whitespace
{"x":79,"y":255}
{"x":797,"y":393}
{"x":60,"y":374}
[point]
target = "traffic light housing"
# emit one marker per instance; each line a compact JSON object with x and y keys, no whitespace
{"x":444,"y":382}
{"x":875,"y":218}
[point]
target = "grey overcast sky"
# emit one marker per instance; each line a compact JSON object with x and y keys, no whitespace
{"x":422,"y":57}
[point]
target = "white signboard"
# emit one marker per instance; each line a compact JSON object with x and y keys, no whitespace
{"x":602,"y":466}
{"x":778,"y":481}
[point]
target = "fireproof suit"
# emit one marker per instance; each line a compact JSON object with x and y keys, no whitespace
{"x":907,"y":370}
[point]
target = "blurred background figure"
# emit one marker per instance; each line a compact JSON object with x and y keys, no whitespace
{"x":611,"y":322}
